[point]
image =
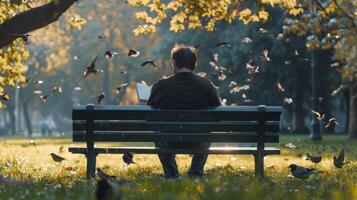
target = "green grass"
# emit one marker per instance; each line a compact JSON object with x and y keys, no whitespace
{"x":228,"y":177}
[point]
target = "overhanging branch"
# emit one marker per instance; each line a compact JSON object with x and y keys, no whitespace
{"x":31,"y":20}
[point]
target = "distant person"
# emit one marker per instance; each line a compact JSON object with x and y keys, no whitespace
{"x":44,"y":127}
{"x":183,"y":90}
{"x":51,"y":126}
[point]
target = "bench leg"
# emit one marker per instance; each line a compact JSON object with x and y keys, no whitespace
{"x":259,"y":164}
{"x":91,"y":162}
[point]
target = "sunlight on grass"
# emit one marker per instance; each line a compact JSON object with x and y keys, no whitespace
{"x":228,"y":176}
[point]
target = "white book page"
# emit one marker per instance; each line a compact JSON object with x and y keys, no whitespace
{"x":143,"y":92}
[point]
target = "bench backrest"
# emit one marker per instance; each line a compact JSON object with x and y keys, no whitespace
{"x":110,"y":123}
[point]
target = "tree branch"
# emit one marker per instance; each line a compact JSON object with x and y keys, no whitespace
{"x":31,"y":20}
{"x":344,"y":12}
{"x":323,"y":8}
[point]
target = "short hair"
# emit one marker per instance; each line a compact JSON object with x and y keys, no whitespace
{"x":184,"y":56}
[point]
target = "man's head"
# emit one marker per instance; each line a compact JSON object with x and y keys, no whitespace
{"x":183,"y":58}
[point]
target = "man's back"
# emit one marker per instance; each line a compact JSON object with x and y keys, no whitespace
{"x":184,"y":90}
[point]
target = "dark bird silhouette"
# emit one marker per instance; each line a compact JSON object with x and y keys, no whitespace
{"x":91,"y":68}
{"x":120,"y":87}
{"x":150,"y":61}
{"x":302,"y":172}
{"x":57,"y":89}
{"x":37,"y":82}
{"x":100,"y":98}
{"x":262,"y":30}
{"x":4,"y":97}
{"x":223,"y":44}
{"x":340,"y":160}
{"x":44,"y":98}
{"x":106,"y":190}
{"x":319,"y":116}
{"x":103,"y":175}
{"x":331,"y":121}
{"x":109,"y":54}
{"x":57,"y":158}
{"x":128,"y":158}
{"x":133,"y":53}
{"x":313,"y":159}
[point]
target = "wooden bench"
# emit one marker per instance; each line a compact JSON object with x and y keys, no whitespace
{"x":243,"y":124}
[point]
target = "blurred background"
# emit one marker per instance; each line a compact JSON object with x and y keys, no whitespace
{"x":267,"y":67}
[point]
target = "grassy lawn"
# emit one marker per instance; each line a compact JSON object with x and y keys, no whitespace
{"x":228,"y":177}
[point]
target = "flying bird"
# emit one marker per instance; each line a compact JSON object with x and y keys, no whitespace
{"x":280,"y":87}
{"x":91,"y":68}
{"x":44,"y":98}
{"x":223,"y":44}
{"x":252,"y":67}
{"x":57,"y":158}
{"x":288,"y":100}
{"x":110,"y":54}
{"x":302,"y":172}
{"x":265,"y":54}
{"x":262,"y":30}
{"x":340,"y":160}
{"x":247,"y":40}
{"x":38,"y":82}
{"x":57,"y":89}
{"x":133,"y":53}
{"x":150,"y":61}
{"x":331,"y":121}
{"x":37,"y":92}
{"x":337,"y":90}
{"x":319,"y":116}
{"x":100,"y":98}
{"x":128,"y":158}
{"x":4,"y":97}
{"x":121,"y":86}
{"x":107,"y":190}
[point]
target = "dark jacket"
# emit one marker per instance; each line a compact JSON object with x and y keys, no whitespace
{"x":184,"y":90}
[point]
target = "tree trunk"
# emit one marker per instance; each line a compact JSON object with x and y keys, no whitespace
{"x":352,"y":129}
{"x":298,"y":110}
{"x":31,"y":20}
{"x":12,"y":120}
{"x":26,"y":113}
{"x":346,"y":96}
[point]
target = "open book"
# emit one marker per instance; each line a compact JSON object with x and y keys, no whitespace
{"x":143,"y":91}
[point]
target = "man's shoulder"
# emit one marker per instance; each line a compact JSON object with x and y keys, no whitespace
{"x":162,"y":81}
{"x":203,"y":80}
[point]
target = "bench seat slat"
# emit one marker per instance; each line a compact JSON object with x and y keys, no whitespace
{"x":175,"y":137}
{"x":175,"y":126}
{"x":154,"y":150}
{"x":221,"y":113}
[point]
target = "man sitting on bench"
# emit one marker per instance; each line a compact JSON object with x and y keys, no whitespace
{"x":183,"y":90}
